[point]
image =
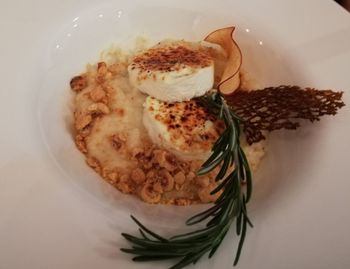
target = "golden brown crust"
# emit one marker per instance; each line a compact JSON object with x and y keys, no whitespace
{"x":188,"y":120}
{"x":172,"y":58}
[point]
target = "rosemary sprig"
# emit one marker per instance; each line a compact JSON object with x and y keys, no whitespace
{"x":228,"y":208}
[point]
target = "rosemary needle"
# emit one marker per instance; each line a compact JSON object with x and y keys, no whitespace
{"x":228,"y":208}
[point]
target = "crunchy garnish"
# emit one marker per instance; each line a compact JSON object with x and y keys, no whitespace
{"x":189,"y":122}
{"x":78,"y":83}
{"x":280,"y":107}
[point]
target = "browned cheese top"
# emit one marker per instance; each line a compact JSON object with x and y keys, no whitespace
{"x":172,"y":58}
{"x":190,"y":123}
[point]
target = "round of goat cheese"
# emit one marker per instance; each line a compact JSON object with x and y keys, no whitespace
{"x":186,"y":128}
{"x":173,"y":71}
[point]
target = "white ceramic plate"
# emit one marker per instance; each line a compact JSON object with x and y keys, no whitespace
{"x":56,"y":213}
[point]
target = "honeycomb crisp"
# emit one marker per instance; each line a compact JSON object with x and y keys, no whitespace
{"x":280,"y":107}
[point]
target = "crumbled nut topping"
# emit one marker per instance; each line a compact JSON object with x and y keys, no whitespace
{"x":78,"y":83}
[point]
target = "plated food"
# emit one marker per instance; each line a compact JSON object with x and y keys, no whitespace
{"x":141,"y":128}
{"x":156,"y":124}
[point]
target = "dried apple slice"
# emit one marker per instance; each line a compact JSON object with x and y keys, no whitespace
{"x":227,"y":64}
